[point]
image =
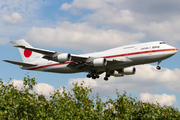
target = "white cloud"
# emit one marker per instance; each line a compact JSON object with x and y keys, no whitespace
{"x":110,"y":17}
{"x":94,"y":5}
{"x":43,"y":88}
{"x":104,"y":12}
{"x":24,"y":7}
{"x":17,"y":83}
{"x":167,"y":30}
{"x":65,"y":6}
{"x":13,"y":12}
{"x":164,"y":77}
{"x":163,"y":99}
{"x":4,"y":40}
{"x":84,"y":4}
{"x":40,"y":88}
{"x":158,"y":8}
{"x":146,"y":79}
{"x":81,"y":36}
{"x":14,"y":18}
{"x":152,"y":17}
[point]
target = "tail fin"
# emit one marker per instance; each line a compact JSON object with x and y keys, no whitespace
{"x":27,"y":55}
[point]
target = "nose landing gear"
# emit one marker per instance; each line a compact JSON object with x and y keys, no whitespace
{"x":158,"y":65}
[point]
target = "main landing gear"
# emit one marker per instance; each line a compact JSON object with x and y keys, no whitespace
{"x":92,"y":75}
{"x":158,"y":67}
{"x":106,"y":76}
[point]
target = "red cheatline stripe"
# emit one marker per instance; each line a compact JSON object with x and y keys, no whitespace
{"x":49,"y":65}
{"x":135,"y":53}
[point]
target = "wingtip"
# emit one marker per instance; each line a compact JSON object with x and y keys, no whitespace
{"x":5,"y":60}
{"x":14,"y":44}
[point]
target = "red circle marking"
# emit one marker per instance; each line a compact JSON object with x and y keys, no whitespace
{"x":27,"y":53}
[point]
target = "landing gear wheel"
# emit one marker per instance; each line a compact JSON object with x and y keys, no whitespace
{"x":158,"y":67}
{"x":97,"y":76}
{"x":93,"y":77}
{"x":106,"y":78}
{"x":88,"y":75}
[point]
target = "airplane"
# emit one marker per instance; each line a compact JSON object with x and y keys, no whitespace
{"x":115,"y":62}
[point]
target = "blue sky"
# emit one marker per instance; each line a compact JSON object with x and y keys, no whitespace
{"x":82,"y":26}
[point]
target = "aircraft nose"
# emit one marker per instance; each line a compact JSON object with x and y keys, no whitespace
{"x":170,"y":51}
{"x":175,"y":50}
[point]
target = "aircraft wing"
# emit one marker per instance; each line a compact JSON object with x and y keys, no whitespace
{"x":20,"y":63}
{"x":49,"y":54}
{"x":79,"y":60}
{"x":79,"y":57}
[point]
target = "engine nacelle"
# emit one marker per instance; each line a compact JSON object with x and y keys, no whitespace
{"x":129,"y":70}
{"x":64,"y":57}
{"x":117,"y":74}
{"x":125,"y":71}
{"x":99,"y":62}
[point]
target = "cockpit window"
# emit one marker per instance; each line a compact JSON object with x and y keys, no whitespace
{"x":162,"y":43}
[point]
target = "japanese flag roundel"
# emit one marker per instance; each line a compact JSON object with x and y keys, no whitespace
{"x":27,"y":53}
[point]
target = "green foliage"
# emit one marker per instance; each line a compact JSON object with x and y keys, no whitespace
{"x":75,"y":104}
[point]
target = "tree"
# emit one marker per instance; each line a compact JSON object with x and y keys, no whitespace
{"x":24,"y":103}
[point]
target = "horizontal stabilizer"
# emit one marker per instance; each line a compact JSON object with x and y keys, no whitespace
{"x":42,"y":51}
{"x":20,"y":63}
{"x":14,"y":44}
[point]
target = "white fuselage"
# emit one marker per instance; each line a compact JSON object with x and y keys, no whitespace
{"x":139,"y":54}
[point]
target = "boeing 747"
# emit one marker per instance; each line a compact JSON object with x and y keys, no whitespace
{"x":115,"y":62}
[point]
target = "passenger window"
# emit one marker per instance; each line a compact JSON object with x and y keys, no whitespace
{"x":162,"y":43}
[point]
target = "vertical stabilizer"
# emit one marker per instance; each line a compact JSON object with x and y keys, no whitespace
{"x":27,"y":55}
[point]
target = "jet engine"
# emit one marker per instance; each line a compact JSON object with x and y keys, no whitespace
{"x":99,"y":62}
{"x":129,"y":70}
{"x":117,"y":74}
{"x":63,"y":57}
{"x":125,"y":71}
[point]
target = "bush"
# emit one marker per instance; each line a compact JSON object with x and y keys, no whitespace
{"x":77,"y":104}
